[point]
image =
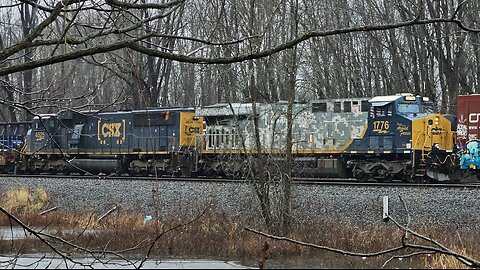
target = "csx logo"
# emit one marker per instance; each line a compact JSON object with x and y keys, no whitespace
{"x":111,"y":130}
{"x":473,"y":117}
{"x":193,"y":130}
{"x":437,"y":131}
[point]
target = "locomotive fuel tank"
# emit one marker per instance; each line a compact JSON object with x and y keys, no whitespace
{"x":97,"y":165}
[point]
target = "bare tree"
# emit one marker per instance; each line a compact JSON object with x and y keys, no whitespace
{"x":144,"y":53}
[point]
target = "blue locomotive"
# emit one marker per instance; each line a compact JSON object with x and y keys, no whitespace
{"x":12,"y":136}
{"x":410,"y":138}
{"x":142,"y":142}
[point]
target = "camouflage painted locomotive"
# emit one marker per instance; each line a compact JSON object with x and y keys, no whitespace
{"x":384,"y":138}
{"x":135,"y":142}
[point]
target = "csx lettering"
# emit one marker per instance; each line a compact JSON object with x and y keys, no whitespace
{"x":193,"y":130}
{"x":473,"y":117}
{"x":40,"y":136}
{"x":111,"y":130}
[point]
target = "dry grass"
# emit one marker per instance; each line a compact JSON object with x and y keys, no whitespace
{"x":22,"y":200}
{"x":213,"y":235}
{"x":442,"y":261}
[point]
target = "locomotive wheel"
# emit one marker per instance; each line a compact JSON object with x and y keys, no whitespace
{"x":387,"y":178}
{"x":407,"y":176}
{"x":411,"y":179}
{"x":360,"y":175}
{"x":383,"y":175}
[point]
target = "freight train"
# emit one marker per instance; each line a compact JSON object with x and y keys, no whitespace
{"x":381,"y":138}
{"x":12,"y":138}
{"x":468,"y":133}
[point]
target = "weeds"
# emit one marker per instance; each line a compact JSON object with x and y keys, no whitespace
{"x":24,"y":201}
{"x":213,"y":235}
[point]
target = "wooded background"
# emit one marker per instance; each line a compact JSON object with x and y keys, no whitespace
{"x":110,"y":55}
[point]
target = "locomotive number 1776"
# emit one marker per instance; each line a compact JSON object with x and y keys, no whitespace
{"x":381,"y":126}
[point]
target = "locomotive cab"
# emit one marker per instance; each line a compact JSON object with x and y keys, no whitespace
{"x":390,"y":121}
{"x":408,"y":139}
{"x":44,"y":129}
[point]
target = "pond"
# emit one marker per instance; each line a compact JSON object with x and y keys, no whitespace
{"x":39,"y":261}
{"x":323,"y":259}
{"x":52,"y":261}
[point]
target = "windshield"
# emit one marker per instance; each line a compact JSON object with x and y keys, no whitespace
{"x":408,"y":108}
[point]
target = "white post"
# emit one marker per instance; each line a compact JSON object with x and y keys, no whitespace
{"x":385,"y":208}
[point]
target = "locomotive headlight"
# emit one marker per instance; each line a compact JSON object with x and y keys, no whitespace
{"x":436,"y":120}
{"x":436,"y":145}
{"x":408,"y":145}
{"x":410,"y":98}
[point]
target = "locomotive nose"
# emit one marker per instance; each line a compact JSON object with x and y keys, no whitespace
{"x":433,"y":132}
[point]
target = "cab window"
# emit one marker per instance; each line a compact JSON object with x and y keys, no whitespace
{"x":347,"y":106}
{"x":337,"y":107}
{"x":381,"y":111}
{"x":408,"y":108}
{"x":365,"y":106}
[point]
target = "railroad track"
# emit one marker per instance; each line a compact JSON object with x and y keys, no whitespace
{"x":297,"y":181}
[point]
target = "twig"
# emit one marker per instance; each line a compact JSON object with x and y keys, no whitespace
{"x":48,"y":210}
{"x":107,"y":213}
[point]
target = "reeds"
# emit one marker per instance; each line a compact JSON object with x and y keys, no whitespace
{"x":214,"y":234}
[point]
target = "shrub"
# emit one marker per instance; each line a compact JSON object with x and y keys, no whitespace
{"x":23,"y":200}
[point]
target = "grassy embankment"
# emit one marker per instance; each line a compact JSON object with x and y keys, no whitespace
{"x":212,"y":235}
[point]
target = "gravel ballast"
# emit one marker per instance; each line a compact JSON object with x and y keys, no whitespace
{"x":356,"y":205}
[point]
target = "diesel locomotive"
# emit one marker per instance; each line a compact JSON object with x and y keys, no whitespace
{"x":12,"y":137}
{"x":142,"y":142}
{"x":381,"y":138}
